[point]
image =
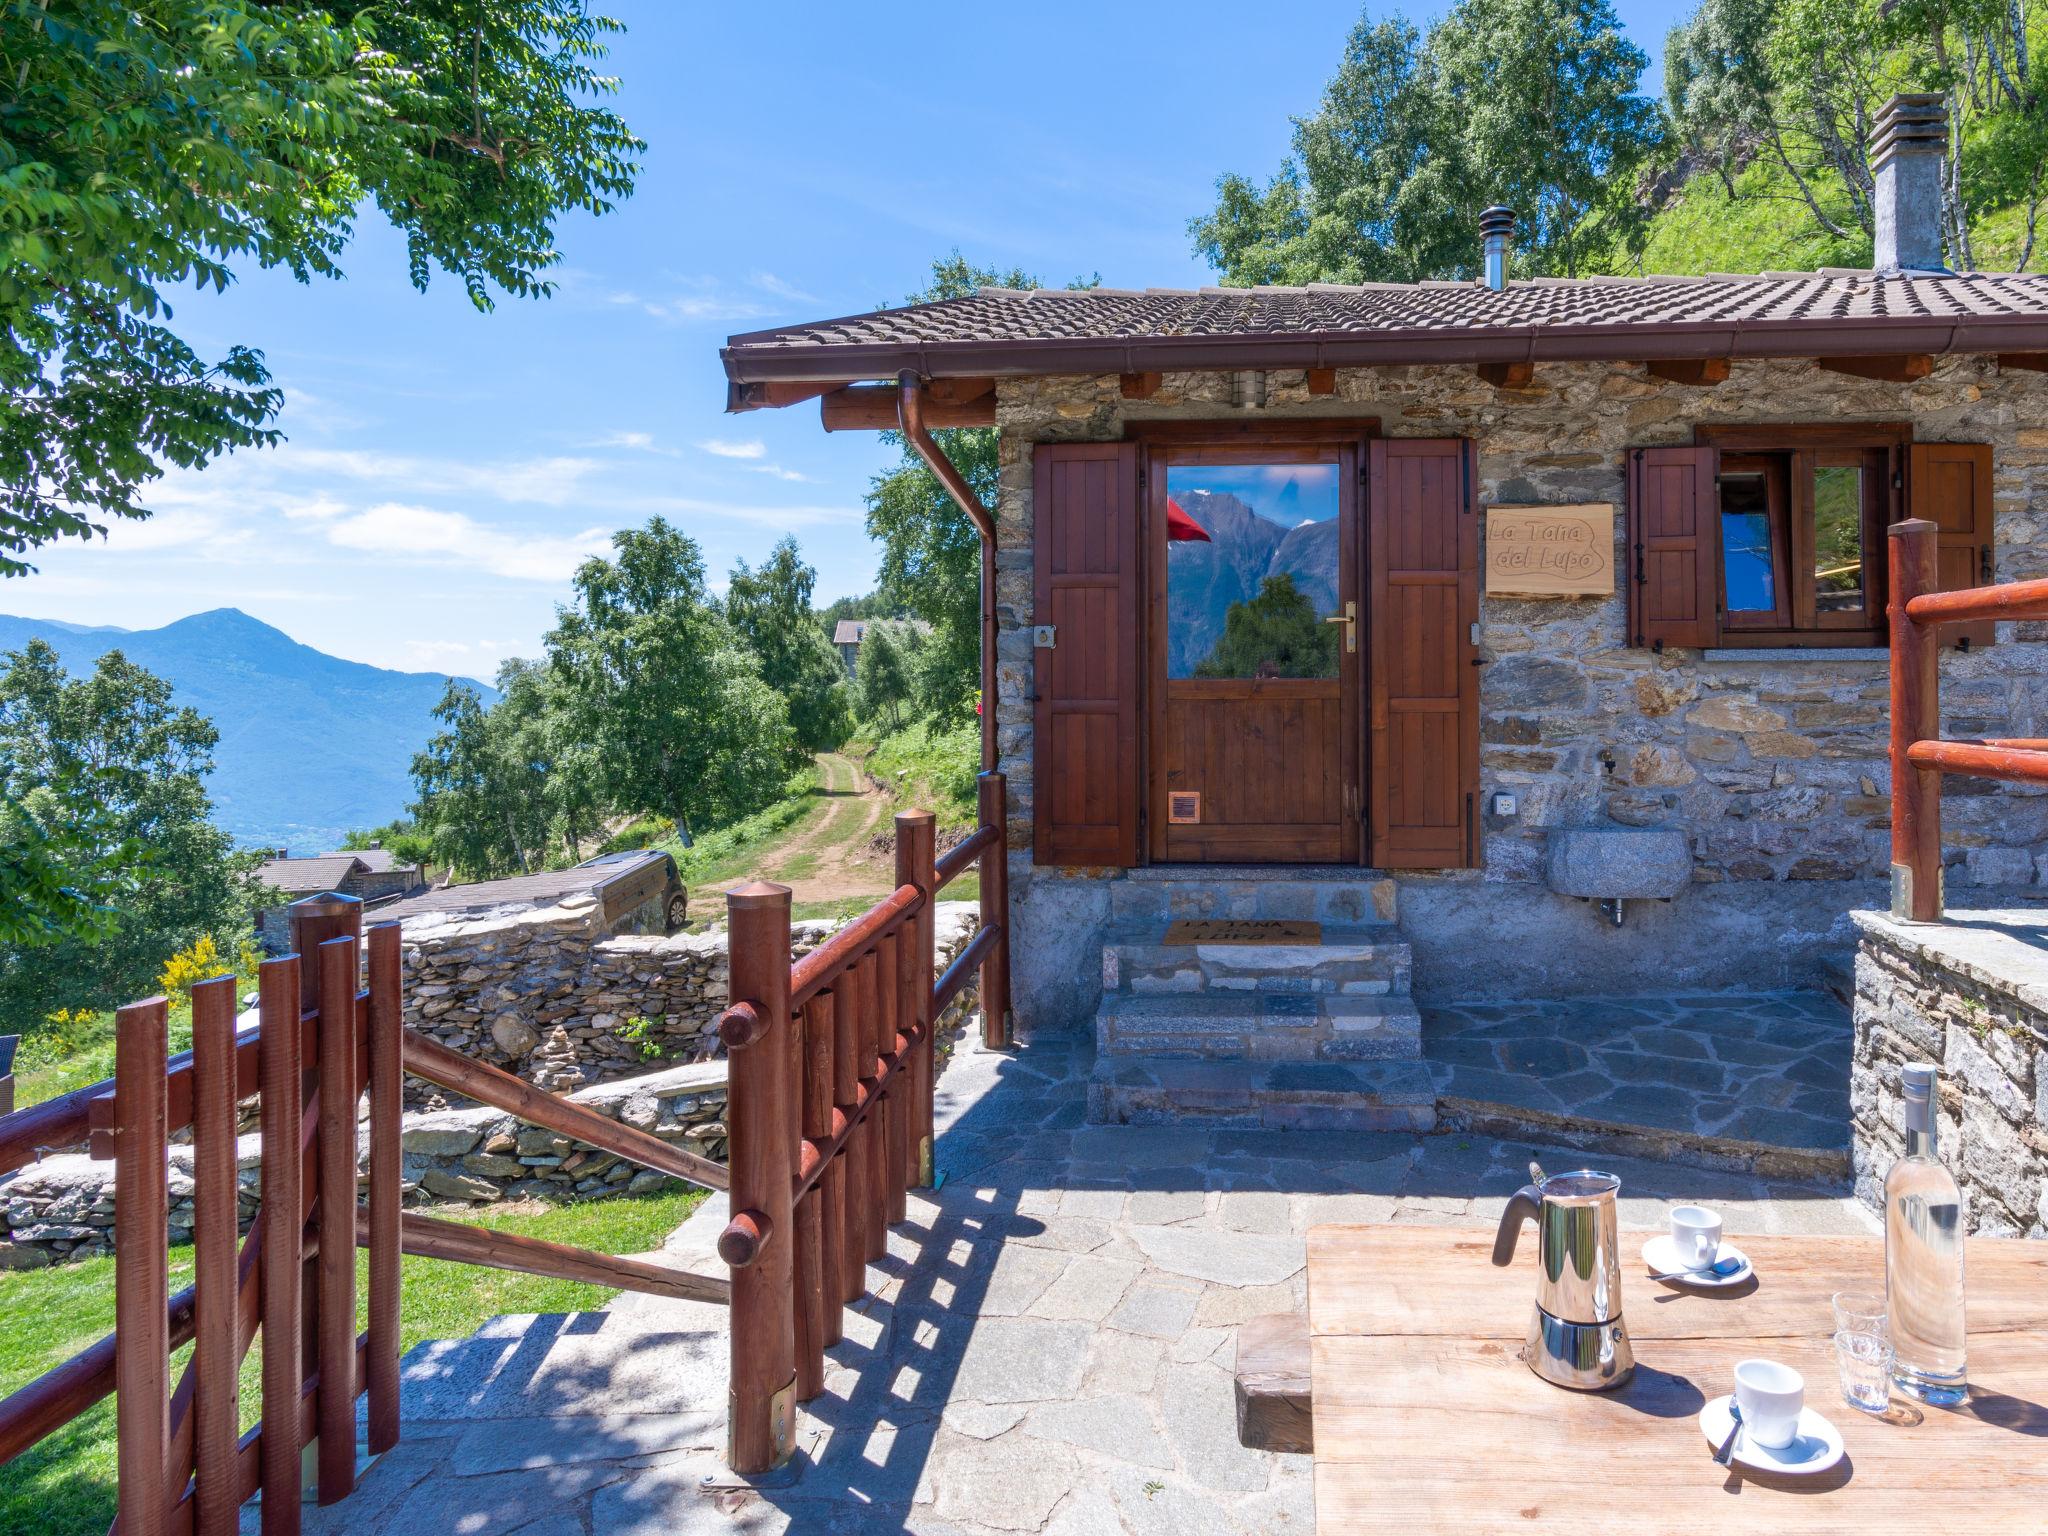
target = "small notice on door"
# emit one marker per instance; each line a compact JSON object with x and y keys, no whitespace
{"x":1550,"y":551}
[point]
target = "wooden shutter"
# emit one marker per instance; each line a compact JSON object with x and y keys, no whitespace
{"x":1672,"y":547}
{"x":1949,"y":484}
{"x":1423,"y":591}
{"x":1085,"y":515}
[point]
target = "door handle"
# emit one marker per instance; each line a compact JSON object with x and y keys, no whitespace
{"x":1349,"y":619}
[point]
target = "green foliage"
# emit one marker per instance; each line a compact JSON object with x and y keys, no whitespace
{"x":864,"y":606}
{"x":405,"y":839}
{"x":733,"y":851}
{"x":1276,"y":634}
{"x":638,"y":1032}
{"x":661,"y":688}
{"x":771,"y":609}
{"x":931,"y":554}
{"x":882,"y":676}
{"x":931,"y":767}
{"x":1780,"y":100}
{"x":1526,"y":102}
{"x":109,"y":759}
{"x":64,"y":1485}
{"x":152,"y":145}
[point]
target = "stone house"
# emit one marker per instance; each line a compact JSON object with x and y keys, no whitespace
{"x":373,"y":875}
{"x":1527,"y":637}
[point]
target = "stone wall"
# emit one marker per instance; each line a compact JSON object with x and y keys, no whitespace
{"x":545,"y":994}
{"x":1773,"y":767}
{"x":1970,"y":995}
{"x":63,"y":1207}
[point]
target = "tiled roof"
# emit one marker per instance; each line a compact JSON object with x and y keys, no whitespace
{"x":1833,"y":312}
{"x":849,"y":631}
{"x":322,"y":874}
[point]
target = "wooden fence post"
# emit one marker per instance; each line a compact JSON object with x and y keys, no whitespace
{"x":387,"y":1033}
{"x":142,"y":1356}
{"x":995,"y":908}
{"x":1916,"y":716}
{"x":282,"y":1111}
{"x":915,"y":859}
{"x":760,"y":1109}
{"x":216,"y":1355}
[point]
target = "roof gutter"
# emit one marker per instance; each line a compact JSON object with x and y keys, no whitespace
{"x":910,"y":414}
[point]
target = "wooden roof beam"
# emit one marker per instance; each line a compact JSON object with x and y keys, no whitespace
{"x":1701,"y":372}
{"x":1137,"y":386}
{"x":1902,"y":368}
{"x":1515,"y":375}
{"x":2025,"y":362}
{"x":769,"y":396}
{"x":873,"y":408}
{"x":1322,"y":381}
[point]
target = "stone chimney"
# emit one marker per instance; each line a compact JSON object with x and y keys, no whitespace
{"x":1906,"y":162}
{"x":1496,"y":229}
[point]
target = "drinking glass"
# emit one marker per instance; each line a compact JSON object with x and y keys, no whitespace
{"x":1865,"y":1363}
{"x":1860,"y":1312}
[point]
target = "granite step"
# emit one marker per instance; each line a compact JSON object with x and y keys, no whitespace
{"x":1260,"y":1026}
{"x":1277,"y":1095}
{"x":1340,"y":894}
{"x":1352,"y":962}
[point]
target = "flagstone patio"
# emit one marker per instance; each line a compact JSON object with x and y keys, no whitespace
{"x":1048,"y":1350}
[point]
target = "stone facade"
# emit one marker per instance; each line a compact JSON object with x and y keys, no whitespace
{"x":1772,"y":767}
{"x":1971,"y":996}
{"x":544,"y":993}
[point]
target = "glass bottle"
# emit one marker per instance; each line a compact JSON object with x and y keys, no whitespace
{"x":1923,"y":1257}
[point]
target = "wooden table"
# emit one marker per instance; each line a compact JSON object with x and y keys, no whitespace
{"x":1428,"y":1422}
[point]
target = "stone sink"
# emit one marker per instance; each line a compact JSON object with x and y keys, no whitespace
{"x":1605,"y":863}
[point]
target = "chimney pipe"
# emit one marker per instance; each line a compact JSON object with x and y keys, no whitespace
{"x":1906,"y":153}
{"x":1496,"y":228}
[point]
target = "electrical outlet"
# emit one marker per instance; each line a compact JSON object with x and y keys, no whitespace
{"x":1503,"y":804}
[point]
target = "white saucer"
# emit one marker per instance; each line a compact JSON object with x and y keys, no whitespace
{"x":1661,"y":1254}
{"x":1816,"y":1448}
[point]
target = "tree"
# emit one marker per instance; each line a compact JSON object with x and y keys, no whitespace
{"x":103,"y":781}
{"x":931,"y":554}
{"x":1276,"y":634}
{"x":883,"y":673}
{"x":466,"y":807}
{"x":771,"y":609}
{"x":663,"y":689}
{"x":1526,"y":102}
{"x":150,"y":144}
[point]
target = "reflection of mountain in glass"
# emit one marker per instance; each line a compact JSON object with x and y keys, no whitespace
{"x":1276,"y":634}
{"x":1204,"y":581}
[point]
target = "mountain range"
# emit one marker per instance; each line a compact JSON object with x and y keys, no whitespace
{"x":311,"y":746}
{"x":1206,"y":578}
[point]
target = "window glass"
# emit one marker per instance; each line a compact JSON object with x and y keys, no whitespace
{"x":1251,"y":570}
{"x":1751,"y":586}
{"x":1838,"y":538}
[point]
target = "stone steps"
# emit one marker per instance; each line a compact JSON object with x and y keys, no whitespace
{"x":1276,"y":1095}
{"x":1339,"y":896}
{"x":1357,"y":962}
{"x":1260,"y":1027}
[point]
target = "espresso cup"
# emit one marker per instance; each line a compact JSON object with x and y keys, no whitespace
{"x":1770,"y":1396}
{"x":1696,"y":1234}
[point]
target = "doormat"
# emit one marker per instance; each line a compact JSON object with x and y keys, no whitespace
{"x":1228,"y":930}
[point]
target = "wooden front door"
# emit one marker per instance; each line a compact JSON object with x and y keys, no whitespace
{"x":1257,"y":641}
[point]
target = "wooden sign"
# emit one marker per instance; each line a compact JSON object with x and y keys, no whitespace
{"x":1550,"y":551}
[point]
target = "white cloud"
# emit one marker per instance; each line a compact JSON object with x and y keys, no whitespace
{"x":779,"y":472}
{"x":550,"y":481}
{"x":729,"y":448}
{"x":768,"y":282}
{"x":781,"y":519}
{"x":399,"y":532}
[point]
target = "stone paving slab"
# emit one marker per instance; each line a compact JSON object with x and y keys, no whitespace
{"x":1758,"y":1081}
{"x":1049,"y":1341}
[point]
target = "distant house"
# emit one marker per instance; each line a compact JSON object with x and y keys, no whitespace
{"x":847,"y":635}
{"x":372,"y":874}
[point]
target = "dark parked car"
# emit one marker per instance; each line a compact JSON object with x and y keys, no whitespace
{"x":675,"y":904}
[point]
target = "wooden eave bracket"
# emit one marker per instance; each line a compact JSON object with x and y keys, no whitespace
{"x":1903,"y":368}
{"x":775,"y":393}
{"x":1137,"y":386}
{"x":2023,"y":362}
{"x":1515,"y":375}
{"x":1322,"y":381}
{"x":1701,"y":372}
{"x":873,"y":407}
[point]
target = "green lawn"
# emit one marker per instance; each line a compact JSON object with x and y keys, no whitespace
{"x":65,"y":1485}
{"x":56,"y":1058}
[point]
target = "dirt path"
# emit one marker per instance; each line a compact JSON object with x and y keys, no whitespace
{"x":826,"y":859}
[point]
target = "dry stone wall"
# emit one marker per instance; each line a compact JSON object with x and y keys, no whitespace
{"x":1773,"y":769}
{"x":1970,"y":996}
{"x":63,"y":1207}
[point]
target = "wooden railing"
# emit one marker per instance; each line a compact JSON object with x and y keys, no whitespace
{"x":829,"y":1109}
{"x":829,"y":1118}
{"x":1919,"y":754}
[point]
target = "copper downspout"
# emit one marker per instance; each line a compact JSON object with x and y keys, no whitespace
{"x":910,"y":412}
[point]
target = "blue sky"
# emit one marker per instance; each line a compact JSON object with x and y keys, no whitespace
{"x":446,"y":471}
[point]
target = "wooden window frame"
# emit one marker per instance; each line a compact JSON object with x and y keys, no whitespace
{"x":1879,"y":449}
